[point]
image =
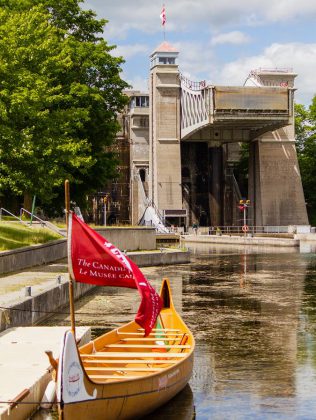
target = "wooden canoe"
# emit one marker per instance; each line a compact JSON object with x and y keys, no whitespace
{"x":122,"y":374}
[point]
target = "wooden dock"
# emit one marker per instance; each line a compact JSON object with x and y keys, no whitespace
{"x":24,"y":367}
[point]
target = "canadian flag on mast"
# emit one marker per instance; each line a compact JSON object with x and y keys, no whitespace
{"x":94,"y":260}
{"x":163,"y":15}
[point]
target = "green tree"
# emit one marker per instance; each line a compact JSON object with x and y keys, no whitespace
{"x":305,"y":132}
{"x":60,"y":92}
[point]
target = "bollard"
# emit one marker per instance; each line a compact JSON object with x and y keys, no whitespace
{"x":58,"y":281}
{"x":28,"y":291}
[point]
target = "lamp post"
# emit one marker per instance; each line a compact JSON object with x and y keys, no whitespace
{"x":104,"y":209}
{"x":243,"y":204}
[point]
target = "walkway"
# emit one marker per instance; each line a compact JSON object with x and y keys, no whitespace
{"x":40,"y":279}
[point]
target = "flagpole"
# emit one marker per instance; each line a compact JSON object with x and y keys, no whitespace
{"x":163,"y":20}
{"x":71,"y":285}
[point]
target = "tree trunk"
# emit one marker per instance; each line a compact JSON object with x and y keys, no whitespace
{"x":27,"y":203}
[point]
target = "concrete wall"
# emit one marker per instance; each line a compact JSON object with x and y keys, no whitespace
{"x":275,"y":185}
{"x":144,"y":259}
{"x":241,"y":240}
{"x":30,"y":256}
{"x":36,"y":308}
{"x":165,"y":160}
{"x":130,"y":239}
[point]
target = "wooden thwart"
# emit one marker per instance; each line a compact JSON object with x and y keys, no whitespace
{"x":149,"y":346}
{"x":131,"y":362}
{"x":133,"y":354}
{"x":127,"y":369}
{"x":153,"y":335}
{"x":118,"y":377}
{"x":153,"y":339}
{"x":161,"y":329}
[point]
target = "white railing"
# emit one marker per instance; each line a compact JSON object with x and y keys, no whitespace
{"x":240,"y":230}
{"x":43,"y":223}
{"x":2,"y":210}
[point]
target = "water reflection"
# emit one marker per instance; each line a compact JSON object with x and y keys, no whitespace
{"x":253,"y":315}
{"x":307,"y":247}
{"x":182,"y":405}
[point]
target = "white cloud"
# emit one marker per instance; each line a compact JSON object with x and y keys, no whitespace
{"x":300,"y":57}
{"x":128,"y":51}
{"x":184,"y":14}
{"x":192,"y":21}
{"x":138,"y":83}
{"x":234,"y":37}
{"x":194,"y":59}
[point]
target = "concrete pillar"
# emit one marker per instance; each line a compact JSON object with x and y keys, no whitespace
{"x":165,"y":161}
{"x":215,"y":153}
{"x":275,"y":185}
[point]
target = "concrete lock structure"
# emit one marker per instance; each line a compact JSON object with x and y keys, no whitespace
{"x":180,"y":141}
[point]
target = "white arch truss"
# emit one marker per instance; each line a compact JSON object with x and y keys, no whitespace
{"x":194,"y":106}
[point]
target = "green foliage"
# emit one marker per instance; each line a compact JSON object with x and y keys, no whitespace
{"x":242,"y":168}
{"x":305,"y":131}
{"x":15,"y":235}
{"x":60,"y":92}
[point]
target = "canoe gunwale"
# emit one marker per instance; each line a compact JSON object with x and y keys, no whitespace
{"x":142,"y":378}
{"x":132,"y":396}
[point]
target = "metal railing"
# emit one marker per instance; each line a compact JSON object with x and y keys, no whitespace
{"x":190,"y":84}
{"x":44,"y":223}
{"x":2,"y":210}
{"x":240,"y":230}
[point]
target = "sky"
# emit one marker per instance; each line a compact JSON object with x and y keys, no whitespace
{"x":219,"y":41}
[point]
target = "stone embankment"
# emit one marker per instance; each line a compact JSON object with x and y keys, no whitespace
{"x":275,"y":241}
{"x":241,"y":240}
{"x":29,"y":296}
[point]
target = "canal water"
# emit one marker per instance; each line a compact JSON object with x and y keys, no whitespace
{"x":253,"y":315}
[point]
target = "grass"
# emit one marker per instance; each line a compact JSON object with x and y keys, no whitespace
{"x":15,"y":235}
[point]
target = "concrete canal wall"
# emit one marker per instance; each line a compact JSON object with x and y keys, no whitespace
{"x":241,"y":240}
{"x":30,"y":256}
{"x":129,"y":239}
{"x":34,"y":309}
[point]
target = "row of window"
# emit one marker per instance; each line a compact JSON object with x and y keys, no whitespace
{"x":141,"y":122}
{"x":140,"y":101}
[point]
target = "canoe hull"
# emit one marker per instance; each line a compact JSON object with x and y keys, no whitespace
{"x":131,"y":399}
{"x":124,"y":399}
{"x":122,"y":374}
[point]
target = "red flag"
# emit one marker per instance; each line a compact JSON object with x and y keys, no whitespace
{"x":94,"y":260}
{"x":163,"y":15}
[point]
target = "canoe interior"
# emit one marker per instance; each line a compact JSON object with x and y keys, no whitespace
{"x":125,"y":354}
{"x":123,"y":374}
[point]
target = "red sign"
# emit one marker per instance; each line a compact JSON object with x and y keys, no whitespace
{"x":94,"y":260}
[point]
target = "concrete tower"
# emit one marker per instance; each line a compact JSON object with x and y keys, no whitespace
{"x":275,"y":185}
{"x":164,"y":132}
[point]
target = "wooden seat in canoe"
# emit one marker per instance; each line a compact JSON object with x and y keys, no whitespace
{"x":130,"y":361}
{"x":148,"y":346}
{"x":161,"y":329}
{"x":153,"y":339}
{"x":132,"y":355}
{"x":118,"y":377}
{"x":154,"y":335}
{"x":125,"y":369}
